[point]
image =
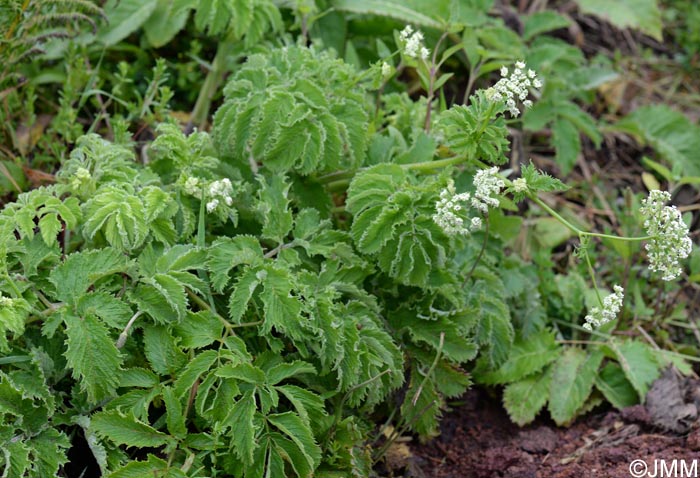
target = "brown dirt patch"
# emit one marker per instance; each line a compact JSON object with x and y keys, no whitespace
{"x":479,"y":441}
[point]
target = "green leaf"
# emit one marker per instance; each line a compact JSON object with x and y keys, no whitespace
{"x":566,"y":141}
{"x":494,"y":329}
{"x":296,"y":430}
{"x":287,"y":370}
{"x":643,"y":15}
{"x":50,"y":226}
{"x":120,"y":215}
{"x":541,"y":22}
{"x":527,"y":356}
{"x":524,"y":399}
{"x":192,"y":371}
{"x":615,"y":387}
{"x":282,"y":309}
{"x":13,"y":314}
{"x":639,"y":364}
{"x":175,"y":420}
{"x":124,"y":429}
{"x":123,"y":18}
{"x":161,"y":350}
{"x":167,"y":19}
{"x":307,"y":404}
{"x":573,"y":375}
{"x":475,"y":130}
{"x":227,"y":253}
{"x":386,"y":8}
{"x":92,"y":356}
{"x":273,"y":205}
{"x":670,"y":133}
{"x":82,"y":269}
{"x":240,"y":419}
{"x":198,"y":330}
{"x":144,"y":469}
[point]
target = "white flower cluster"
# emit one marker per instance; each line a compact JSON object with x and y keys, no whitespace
{"x":220,"y":190}
{"x":193,"y":186}
{"x":520,"y":185}
{"x":386,"y":70}
{"x":510,"y":89}
{"x":447,"y":214}
{"x":81,"y":175}
{"x":611,"y":307}
{"x":487,"y":184}
{"x":670,"y":243}
{"x":449,"y":206}
{"x":6,"y":301}
{"x":413,"y":43}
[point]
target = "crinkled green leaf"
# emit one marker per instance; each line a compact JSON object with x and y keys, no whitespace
{"x":93,"y":357}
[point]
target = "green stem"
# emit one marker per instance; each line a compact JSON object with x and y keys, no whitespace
{"x":430,"y":165}
{"x":591,"y":272}
{"x":481,"y":252}
{"x":210,"y":86}
{"x":580,"y":232}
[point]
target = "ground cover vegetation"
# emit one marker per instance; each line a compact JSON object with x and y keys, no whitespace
{"x":267,"y":238}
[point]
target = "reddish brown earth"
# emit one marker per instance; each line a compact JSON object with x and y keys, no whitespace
{"x":479,"y":441}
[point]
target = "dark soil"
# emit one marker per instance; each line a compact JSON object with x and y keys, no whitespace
{"x":479,"y":441}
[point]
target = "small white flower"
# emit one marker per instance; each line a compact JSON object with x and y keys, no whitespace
{"x":192,"y":186}
{"x":447,"y":209}
{"x":611,"y":307}
{"x":487,"y":183}
{"x":514,"y":87}
{"x":520,"y":185}
{"x":386,"y":70}
{"x":670,"y":243}
{"x":211,"y":205}
{"x":413,"y":43}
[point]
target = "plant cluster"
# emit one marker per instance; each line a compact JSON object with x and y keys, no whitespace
{"x":320,"y":271}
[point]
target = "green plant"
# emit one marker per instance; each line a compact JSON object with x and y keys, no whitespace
{"x":254,"y":300}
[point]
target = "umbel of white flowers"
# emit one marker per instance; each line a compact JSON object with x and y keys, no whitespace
{"x":611,"y":307}
{"x":514,"y":88}
{"x":670,"y":241}
{"x":413,"y":43}
{"x":218,"y":192}
{"x":450,"y":208}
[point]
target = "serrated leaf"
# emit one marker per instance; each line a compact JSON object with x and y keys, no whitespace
{"x":124,"y":429}
{"x":273,"y":205}
{"x":670,"y":133}
{"x":494,"y":329}
{"x":281,"y":307}
{"x":198,"y":330}
{"x":81,"y":269}
{"x":639,"y":364}
{"x":175,"y":420}
{"x":524,"y":399}
{"x":120,"y":215}
{"x":308,"y":405}
{"x":193,"y":370}
{"x":161,"y":350}
{"x":227,"y":253}
{"x":92,"y":356}
{"x":527,"y":356}
{"x":240,"y":419}
{"x":296,"y":430}
{"x":611,"y":381}
{"x":573,"y":375}
{"x":138,"y":377}
{"x":143,"y":469}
